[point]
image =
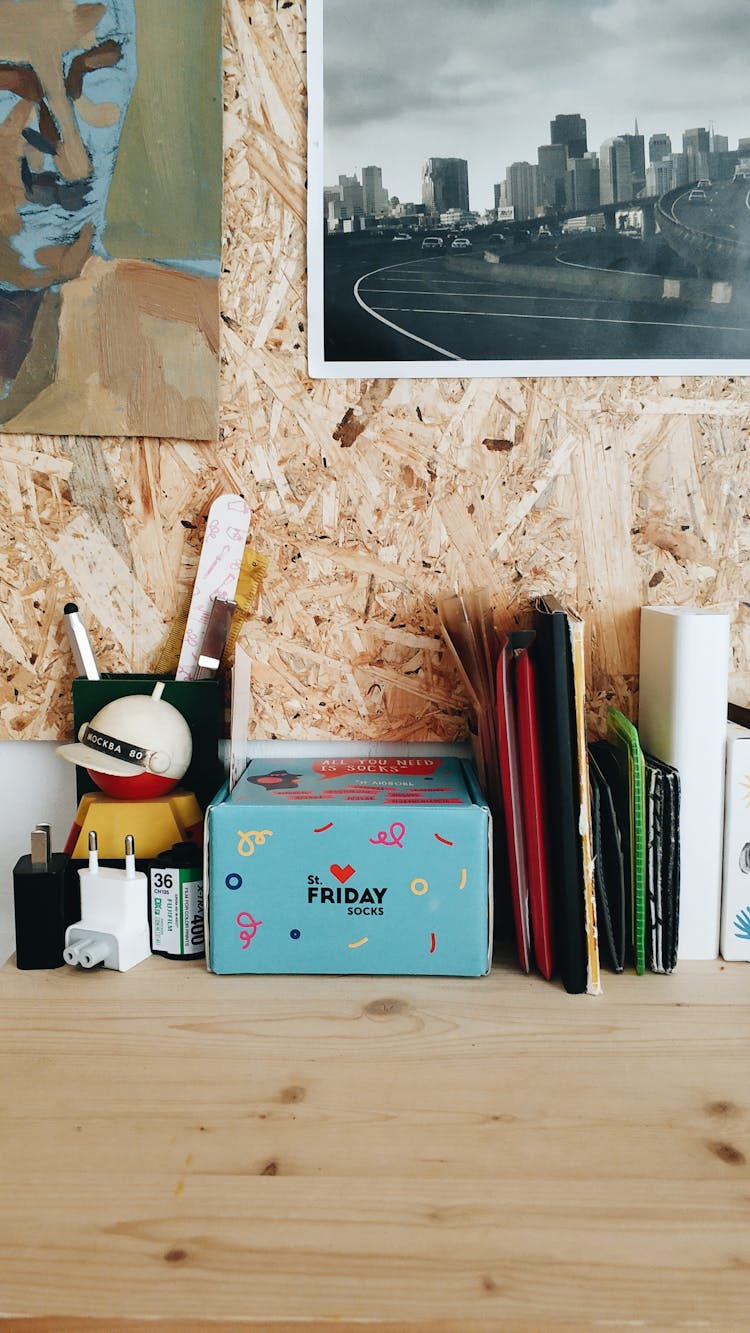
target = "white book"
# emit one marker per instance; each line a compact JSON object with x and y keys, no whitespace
{"x":682,"y":719}
{"x":735,"y":892}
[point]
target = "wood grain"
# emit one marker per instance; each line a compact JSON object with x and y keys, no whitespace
{"x":405,"y":1153}
{"x":372,"y":499}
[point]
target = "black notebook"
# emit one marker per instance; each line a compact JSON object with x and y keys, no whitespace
{"x":559,"y":747}
{"x":662,"y":864}
{"x":612,"y":891}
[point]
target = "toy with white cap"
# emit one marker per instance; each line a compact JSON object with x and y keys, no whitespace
{"x":135,"y":748}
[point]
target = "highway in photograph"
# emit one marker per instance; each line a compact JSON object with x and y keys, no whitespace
{"x":534,"y":296}
{"x":721,"y":210}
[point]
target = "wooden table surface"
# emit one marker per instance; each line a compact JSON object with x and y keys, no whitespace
{"x":401,"y":1153}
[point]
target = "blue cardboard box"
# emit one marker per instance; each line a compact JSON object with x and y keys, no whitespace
{"x":350,"y":865}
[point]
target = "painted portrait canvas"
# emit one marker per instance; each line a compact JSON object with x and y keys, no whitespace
{"x":110,"y":217}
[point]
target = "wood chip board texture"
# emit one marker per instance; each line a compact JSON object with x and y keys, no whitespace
{"x":372,"y":499}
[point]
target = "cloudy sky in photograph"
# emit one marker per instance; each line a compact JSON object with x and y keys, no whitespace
{"x":405,"y":80}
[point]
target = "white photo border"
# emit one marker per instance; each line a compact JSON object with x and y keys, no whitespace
{"x":454,"y":367}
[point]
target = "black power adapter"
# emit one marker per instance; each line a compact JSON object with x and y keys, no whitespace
{"x":46,"y":902}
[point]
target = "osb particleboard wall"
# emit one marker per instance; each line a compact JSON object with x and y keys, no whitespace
{"x":371,"y":498}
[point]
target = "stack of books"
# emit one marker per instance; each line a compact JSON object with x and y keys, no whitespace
{"x":590,"y":835}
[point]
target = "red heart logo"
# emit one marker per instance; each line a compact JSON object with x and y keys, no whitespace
{"x":342,"y":873}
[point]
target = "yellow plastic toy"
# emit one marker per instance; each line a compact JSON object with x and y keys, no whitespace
{"x":156,"y":824}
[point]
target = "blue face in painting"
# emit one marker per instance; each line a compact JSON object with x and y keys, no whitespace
{"x":67,"y":71}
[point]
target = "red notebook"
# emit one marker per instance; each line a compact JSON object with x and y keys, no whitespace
{"x":512,"y":801}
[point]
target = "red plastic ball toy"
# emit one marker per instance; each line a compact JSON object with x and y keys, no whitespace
{"x":140,"y":788}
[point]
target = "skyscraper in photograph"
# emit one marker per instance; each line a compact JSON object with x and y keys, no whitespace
{"x":445,"y":184}
{"x":659,"y":176}
{"x":570,"y":131}
{"x":680,"y":173}
{"x":333,"y":209}
{"x":637,"y":151}
{"x":553,"y":163}
{"x":721,"y":163}
{"x":614,"y":168}
{"x":374,"y":196}
{"x":659,"y":147}
{"x":522,"y":188}
{"x":582,"y":182}
{"x":352,"y":199}
{"x":696,"y":146}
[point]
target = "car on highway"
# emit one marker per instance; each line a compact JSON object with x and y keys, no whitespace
{"x":703,"y":185}
{"x":461,"y":243}
{"x":432,"y":243}
{"x":697,"y":196}
{"x":402,"y":236}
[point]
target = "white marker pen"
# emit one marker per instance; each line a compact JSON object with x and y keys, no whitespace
{"x":80,"y":643}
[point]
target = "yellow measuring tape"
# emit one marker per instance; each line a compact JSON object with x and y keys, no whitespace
{"x":253,"y":570}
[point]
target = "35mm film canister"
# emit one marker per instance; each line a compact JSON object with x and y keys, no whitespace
{"x":175,"y":893}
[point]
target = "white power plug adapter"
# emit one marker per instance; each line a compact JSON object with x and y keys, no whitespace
{"x":113,"y":928}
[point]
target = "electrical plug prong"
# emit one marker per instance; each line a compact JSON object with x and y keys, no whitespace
{"x":129,"y":857}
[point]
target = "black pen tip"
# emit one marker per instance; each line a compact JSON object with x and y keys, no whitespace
{"x":69,"y":609}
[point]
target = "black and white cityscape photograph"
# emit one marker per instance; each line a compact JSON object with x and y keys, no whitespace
{"x":546,"y":187}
